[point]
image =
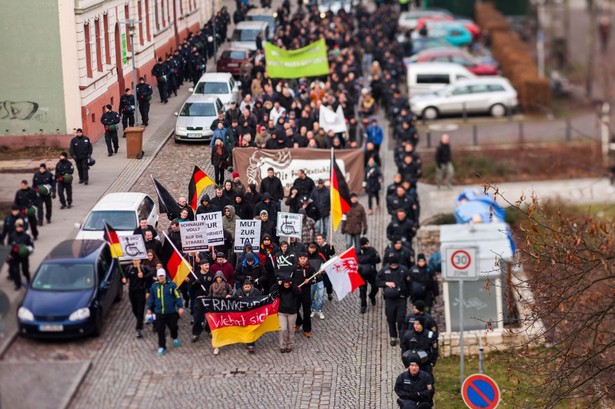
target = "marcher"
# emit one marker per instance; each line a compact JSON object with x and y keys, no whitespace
{"x":127,"y":108}
{"x":64,"y":179}
{"x":19,"y":256}
{"x":164,"y":301}
{"x":354,"y":222}
{"x":219,"y":159}
{"x":272,"y":185}
{"x":317,"y":259}
{"x":248,"y":291}
{"x":290,"y":296}
{"x":139,"y":279}
{"x":414,"y":387}
{"x":81,"y":152}
{"x":372,"y":183}
{"x":144,"y":97}
{"x":44,"y":183}
{"x":220,"y":288}
{"x":444,"y":162}
{"x":394,"y":279}
{"x":327,"y":250}
{"x":27,"y":200}
{"x":367,"y":257}
{"x":200,"y":287}
{"x":302,"y":276}
{"x":110,"y":119}
{"x":321,"y":197}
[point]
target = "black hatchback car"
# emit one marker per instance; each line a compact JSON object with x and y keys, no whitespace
{"x":71,"y":292}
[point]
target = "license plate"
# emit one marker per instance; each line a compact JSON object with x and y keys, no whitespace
{"x":51,"y":328}
{"x":195,"y":135}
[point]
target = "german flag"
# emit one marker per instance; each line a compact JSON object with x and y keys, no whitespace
{"x":238,"y":320}
{"x":340,"y":194}
{"x":198,"y":183}
{"x":114,"y":241}
{"x":177,"y":267}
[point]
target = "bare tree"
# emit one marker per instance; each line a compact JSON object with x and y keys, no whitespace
{"x":569,"y":262}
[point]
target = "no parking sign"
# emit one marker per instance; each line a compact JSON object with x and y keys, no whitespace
{"x":480,"y":392}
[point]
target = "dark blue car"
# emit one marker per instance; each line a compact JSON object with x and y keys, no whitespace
{"x":71,"y":292}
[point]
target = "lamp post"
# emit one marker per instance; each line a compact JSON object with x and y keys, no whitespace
{"x":132,"y":27}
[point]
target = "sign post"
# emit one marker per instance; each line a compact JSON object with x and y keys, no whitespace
{"x":480,"y":392}
{"x":461,"y":266}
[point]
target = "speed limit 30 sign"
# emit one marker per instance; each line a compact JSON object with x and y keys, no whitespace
{"x":461,"y":264}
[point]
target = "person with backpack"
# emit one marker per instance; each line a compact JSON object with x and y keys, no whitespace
{"x":64,"y":179}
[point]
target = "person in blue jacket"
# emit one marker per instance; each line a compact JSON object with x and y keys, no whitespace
{"x":375,"y":134}
{"x":165,"y":301}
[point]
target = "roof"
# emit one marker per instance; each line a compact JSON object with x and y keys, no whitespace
{"x":259,"y":11}
{"x":120,"y":201}
{"x":201,"y":98}
{"x":251,"y":25}
{"x":215,"y":76}
{"x":75,"y":249}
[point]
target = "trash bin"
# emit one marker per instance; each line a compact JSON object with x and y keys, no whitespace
{"x":134,"y":142}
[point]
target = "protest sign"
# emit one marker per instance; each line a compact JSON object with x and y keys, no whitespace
{"x":133,"y":246}
{"x":213,"y":226}
{"x":194,"y":236}
{"x":247,"y":231}
{"x":289,"y":225}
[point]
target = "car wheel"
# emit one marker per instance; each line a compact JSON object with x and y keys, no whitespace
{"x":98,"y":323}
{"x":430,"y":113}
{"x":498,"y":110}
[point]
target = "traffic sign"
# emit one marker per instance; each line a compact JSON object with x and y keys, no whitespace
{"x":480,"y":392}
{"x":461,"y":264}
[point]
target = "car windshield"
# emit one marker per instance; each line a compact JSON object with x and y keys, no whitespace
{"x":198,"y":109}
{"x":118,"y":219}
{"x":245,"y":35}
{"x":64,"y":277}
{"x":233,"y":55}
{"x":211,"y":88}
{"x":261,"y":17}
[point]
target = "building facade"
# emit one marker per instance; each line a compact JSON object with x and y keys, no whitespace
{"x":64,"y":62}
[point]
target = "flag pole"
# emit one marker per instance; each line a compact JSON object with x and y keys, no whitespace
{"x":330,"y":238}
{"x":183,"y":259}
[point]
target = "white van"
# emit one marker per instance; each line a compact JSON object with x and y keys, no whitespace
{"x":245,"y":32}
{"x":428,"y":77}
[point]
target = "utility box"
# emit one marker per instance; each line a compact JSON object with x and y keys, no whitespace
{"x":473,"y":253}
{"x":134,"y":142}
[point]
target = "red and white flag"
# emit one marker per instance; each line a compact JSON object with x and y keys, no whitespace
{"x":343,"y":271}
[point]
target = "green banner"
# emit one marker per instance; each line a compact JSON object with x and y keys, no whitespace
{"x":309,"y":61}
{"x":124,"y":48}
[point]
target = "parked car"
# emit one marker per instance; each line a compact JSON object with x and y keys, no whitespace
{"x":71,"y":292}
{"x":454,"y":55}
{"x":427,"y":43}
{"x":453,"y":32}
{"x":264,"y":14}
{"x":195,"y":117}
{"x":426,"y":78}
{"x":470,"y":25}
{"x":122,"y":211}
{"x":232,"y":59}
{"x":493,"y":95}
{"x":409,"y":19}
{"x":219,"y":84}
{"x":245,"y":32}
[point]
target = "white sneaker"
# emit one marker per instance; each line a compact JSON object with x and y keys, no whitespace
{"x":216,"y":351}
{"x":312,"y":314}
{"x":321,"y":315}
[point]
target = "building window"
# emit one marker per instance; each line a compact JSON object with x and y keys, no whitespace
{"x":156,"y":15}
{"x":181,"y":8}
{"x":106,"y":35}
{"x":88,"y":50}
{"x":163,"y":14}
{"x":147,"y":27}
{"x":140,"y":16}
{"x":99,"y":65}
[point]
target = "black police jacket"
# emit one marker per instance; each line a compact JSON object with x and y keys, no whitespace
{"x":144,"y":92}
{"x":25,"y":198}
{"x":418,"y":388}
{"x":80,"y":147}
{"x":64,"y":167}
{"x":45,"y":178}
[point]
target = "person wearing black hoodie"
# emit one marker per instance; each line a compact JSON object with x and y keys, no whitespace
{"x":206,"y":206}
{"x":243,"y":209}
{"x":139,"y":279}
{"x":367,"y":257}
{"x":289,"y":295}
{"x":302,"y":276}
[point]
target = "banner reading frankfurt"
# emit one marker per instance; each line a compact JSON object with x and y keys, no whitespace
{"x":309,"y":61}
{"x":239,"y":320}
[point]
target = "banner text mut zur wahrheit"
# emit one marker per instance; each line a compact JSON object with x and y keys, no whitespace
{"x":309,"y":61}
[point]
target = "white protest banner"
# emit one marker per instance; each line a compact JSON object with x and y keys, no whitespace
{"x":332,"y":121}
{"x":214,"y":227}
{"x":247,"y":231}
{"x":133,"y":246}
{"x":289,"y":225}
{"x":194,"y":236}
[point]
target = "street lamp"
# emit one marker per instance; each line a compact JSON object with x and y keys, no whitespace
{"x":132,"y":27}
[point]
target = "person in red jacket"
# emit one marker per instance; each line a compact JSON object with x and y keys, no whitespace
{"x":225,"y":267}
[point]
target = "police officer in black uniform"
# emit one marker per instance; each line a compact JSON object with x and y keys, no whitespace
{"x":160,"y":72}
{"x":127,"y":108}
{"x":21,"y":247}
{"x":10,"y":221}
{"x":417,"y":338}
{"x":64,"y":179}
{"x":144,"y":96}
{"x":394,"y":279}
{"x":367,"y":257}
{"x":81,"y":151}
{"x":110,"y":119}
{"x":44,"y":182}
{"x":414,"y":387}
{"x":172,"y":75}
{"x":27,"y":199}
{"x":198,"y":64}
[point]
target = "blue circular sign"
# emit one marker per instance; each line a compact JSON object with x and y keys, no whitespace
{"x":480,"y":392}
